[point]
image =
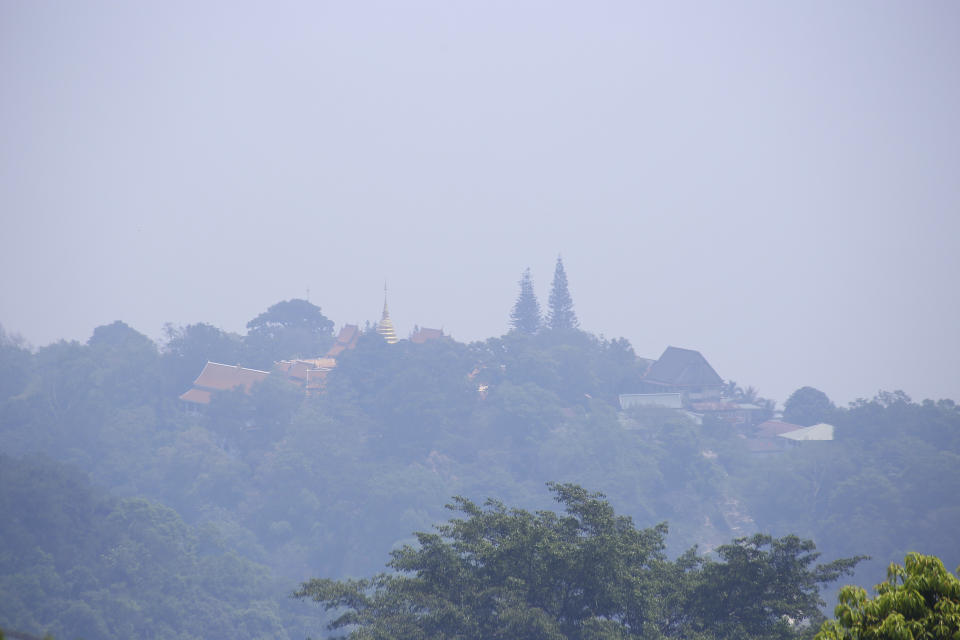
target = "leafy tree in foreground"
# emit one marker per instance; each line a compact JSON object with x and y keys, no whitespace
{"x":762,"y":585}
{"x":525,"y":316}
{"x":561,"y":314}
{"x":919,"y":600}
{"x":586,"y":573}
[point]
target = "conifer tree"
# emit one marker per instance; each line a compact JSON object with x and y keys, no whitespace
{"x":525,"y":316}
{"x":561,"y":314}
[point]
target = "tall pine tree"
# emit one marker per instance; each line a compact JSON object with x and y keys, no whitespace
{"x":561,"y":314}
{"x":525,"y":316}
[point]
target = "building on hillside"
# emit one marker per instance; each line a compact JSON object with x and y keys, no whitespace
{"x":764,"y":437}
{"x":741,"y":415}
{"x":773,"y":428}
{"x":683,"y":371}
{"x":774,"y":436}
{"x":221,"y":377}
{"x":346,"y":339}
{"x":683,"y":380}
{"x":311,"y":373}
{"x":816,"y":433}
{"x":423,"y":334}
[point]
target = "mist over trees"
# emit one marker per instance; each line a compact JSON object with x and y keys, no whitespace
{"x":808,"y":406}
{"x":126,"y":510}
{"x":292,"y":328}
{"x":494,"y":572}
{"x":919,"y":599}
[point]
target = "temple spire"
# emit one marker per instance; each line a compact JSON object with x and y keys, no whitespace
{"x":385,"y":326}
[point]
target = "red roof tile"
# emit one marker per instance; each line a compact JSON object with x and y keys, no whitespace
{"x":223,"y":377}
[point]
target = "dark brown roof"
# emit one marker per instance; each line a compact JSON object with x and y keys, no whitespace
{"x":683,"y":368}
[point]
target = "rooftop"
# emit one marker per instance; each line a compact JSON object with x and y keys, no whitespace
{"x":222,"y":377}
{"x":683,"y":368}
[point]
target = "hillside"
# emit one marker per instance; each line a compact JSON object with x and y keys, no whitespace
{"x":241,"y":500}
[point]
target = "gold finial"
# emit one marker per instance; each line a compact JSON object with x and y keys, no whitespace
{"x":385,"y":327}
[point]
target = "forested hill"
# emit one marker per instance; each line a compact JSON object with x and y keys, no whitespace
{"x":145,"y":514}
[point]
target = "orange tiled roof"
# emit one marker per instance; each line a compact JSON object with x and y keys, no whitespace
{"x":316,"y":379}
{"x":196,"y":396}
{"x":346,"y":339}
{"x":336,"y":350}
{"x":348,"y":333}
{"x":223,"y":377}
{"x":298,"y":370}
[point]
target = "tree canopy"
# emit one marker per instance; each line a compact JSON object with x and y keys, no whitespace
{"x":920,"y":600}
{"x":561,"y":315}
{"x":79,"y":563}
{"x":584,"y":573}
{"x":808,"y":406}
{"x":334,"y":480}
{"x":525,"y":316}
{"x":288,"y":329}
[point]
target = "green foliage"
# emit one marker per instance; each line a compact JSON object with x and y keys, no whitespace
{"x":561,"y":316}
{"x":919,"y":600}
{"x":585,"y":573}
{"x":77,"y":562}
{"x":333,"y":481}
{"x":886,"y":484}
{"x":289,"y":329}
{"x":525,"y":316}
{"x":189,"y":348}
{"x":763,"y":587}
{"x":808,"y":406}
{"x":126,"y":365}
{"x":15,"y":363}
{"x":415,"y":393}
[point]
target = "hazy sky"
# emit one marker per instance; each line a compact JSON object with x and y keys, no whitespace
{"x":775,"y":184}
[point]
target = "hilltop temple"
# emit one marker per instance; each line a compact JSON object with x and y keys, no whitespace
{"x":309,"y":373}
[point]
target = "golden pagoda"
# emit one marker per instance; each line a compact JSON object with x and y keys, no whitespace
{"x":385,"y":326}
